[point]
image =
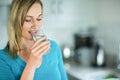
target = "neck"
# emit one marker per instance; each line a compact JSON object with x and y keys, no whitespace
{"x":26,"y":43}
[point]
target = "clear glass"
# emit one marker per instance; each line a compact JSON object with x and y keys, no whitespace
{"x":40,"y":34}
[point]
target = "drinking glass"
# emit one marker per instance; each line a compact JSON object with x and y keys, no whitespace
{"x":40,"y":34}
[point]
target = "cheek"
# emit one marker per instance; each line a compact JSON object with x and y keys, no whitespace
{"x":25,"y":28}
{"x":26,"y":25}
{"x":39,"y":23}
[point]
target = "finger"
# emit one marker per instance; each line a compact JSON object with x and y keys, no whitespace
{"x":43,"y":52}
{"x":38,"y":41}
{"x":42,"y":47}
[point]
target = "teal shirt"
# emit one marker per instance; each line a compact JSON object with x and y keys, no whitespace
{"x":52,"y":67}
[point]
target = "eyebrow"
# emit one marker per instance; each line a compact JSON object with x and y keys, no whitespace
{"x":32,"y":16}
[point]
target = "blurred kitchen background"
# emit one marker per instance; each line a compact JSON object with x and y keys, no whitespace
{"x":88,"y":32}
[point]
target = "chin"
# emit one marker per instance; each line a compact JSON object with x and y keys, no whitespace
{"x":30,"y":38}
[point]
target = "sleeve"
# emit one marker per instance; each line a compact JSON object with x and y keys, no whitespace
{"x":5,"y":71}
{"x":61,"y":65}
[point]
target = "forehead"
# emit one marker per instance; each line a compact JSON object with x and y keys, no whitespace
{"x":35,"y":9}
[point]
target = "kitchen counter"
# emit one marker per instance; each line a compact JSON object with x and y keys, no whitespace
{"x":89,"y":73}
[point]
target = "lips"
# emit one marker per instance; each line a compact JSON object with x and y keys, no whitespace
{"x":33,"y":32}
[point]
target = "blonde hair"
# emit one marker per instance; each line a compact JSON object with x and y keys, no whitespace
{"x":16,"y":17}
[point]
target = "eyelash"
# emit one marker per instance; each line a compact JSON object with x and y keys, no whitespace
{"x":39,"y":19}
{"x":31,"y":20}
{"x":27,"y":20}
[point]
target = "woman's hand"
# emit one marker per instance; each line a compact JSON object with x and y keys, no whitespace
{"x":40,"y":47}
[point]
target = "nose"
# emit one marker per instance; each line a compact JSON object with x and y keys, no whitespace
{"x":34,"y":24}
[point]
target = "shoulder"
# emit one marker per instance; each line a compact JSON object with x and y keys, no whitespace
{"x":4,"y":55}
{"x":5,"y":68}
{"x":53,"y":42}
{"x":3,"y":52}
{"x":54,"y":45}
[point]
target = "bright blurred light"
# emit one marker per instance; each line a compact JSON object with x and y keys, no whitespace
{"x":66,"y":52}
{"x":100,"y":57}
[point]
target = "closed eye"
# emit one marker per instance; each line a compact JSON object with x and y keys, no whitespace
{"x":27,"y":20}
{"x":39,"y":19}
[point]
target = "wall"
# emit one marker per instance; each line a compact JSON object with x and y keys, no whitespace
{"x":70,"y":16}
{"x":63,"y":18}
{"x":3,"y":20}
{"x":108,"y":29}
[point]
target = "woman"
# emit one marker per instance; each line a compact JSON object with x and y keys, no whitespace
{"x":26,"y":59}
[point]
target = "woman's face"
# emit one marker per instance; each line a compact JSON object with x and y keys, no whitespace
{"x":33,"y":21}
